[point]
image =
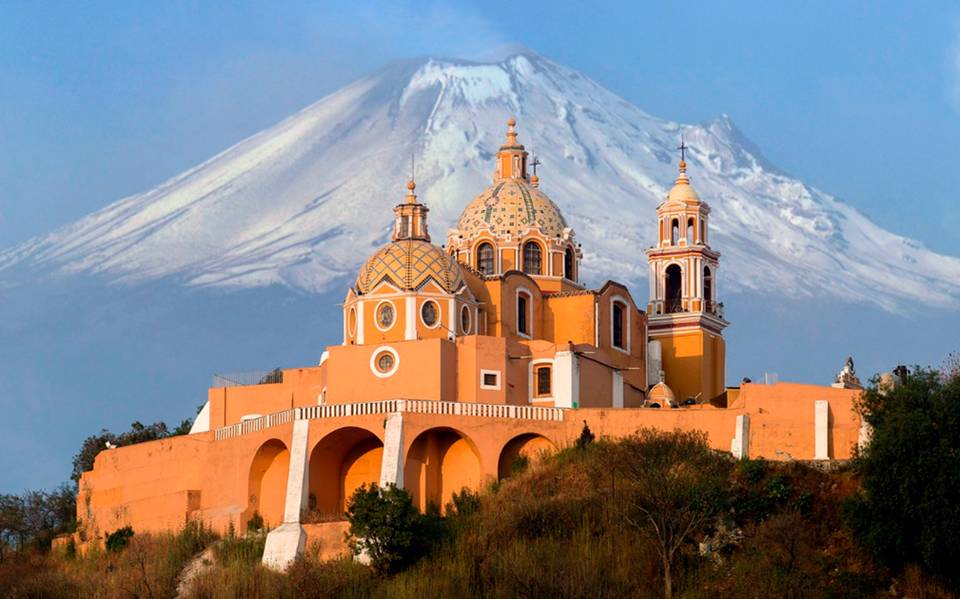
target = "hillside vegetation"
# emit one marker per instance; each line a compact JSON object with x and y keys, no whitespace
{"x":653,"y":515}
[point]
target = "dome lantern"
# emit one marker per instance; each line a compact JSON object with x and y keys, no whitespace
{"x":411,"y":222}
{"x":512,"y":157}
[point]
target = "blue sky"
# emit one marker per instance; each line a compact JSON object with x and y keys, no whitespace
{"x":101,"y":100}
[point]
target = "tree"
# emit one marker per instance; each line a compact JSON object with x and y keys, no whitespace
{"x":673,"y":489}
{"x":908,"y":508}
{"x":387,"y":529}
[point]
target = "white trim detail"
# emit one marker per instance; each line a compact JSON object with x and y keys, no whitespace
{"x":376,"y":354}
{"x":360,"y":319}
{"x":201,"y":424}
{"x":532,"y":380}
{"x":529,"y":315}
{"x":483,"y":375}
{"x":741,"y":438}
{"x":626,"y":324}
{"x":821,"y":430}
{"x":566,"y":375}
{"x":410,"y":330}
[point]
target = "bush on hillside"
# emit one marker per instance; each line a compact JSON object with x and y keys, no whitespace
{"x":387,"y":529}
{"x":908,"y":510}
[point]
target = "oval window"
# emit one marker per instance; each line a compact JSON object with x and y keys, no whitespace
{"x":429,"y":313}
{"x":385,"y":316}
{"x":352,"y":321}
{"x":465,"y":320}
{"x":385,"y":362}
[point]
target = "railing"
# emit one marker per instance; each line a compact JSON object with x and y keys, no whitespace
{"x":410,"y":406}
{"x":674,"y":306}
{"x":242,"y":379}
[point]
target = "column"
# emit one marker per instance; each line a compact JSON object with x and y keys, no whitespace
{"x":391,"y":465}
{"x":566,"y":366}
{"x":821,"y":430}
{"x":287,"y":541}
{"x":617,"y":383}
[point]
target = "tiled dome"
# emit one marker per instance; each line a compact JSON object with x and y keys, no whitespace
{"x":508,"y":207}
{"x":408,"y":264}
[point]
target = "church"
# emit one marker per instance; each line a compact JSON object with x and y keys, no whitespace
{"x":456,"y":360}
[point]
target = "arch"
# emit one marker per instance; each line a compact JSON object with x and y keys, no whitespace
{"x":339,"y":463}
{"x":267,"y":483}
{"x":524,"y":313}
{"x":707,"y":286}
{"x":673,"y":288}
{"x":440,"y":462}
{"x":569,"y":260}
{"x":531,"y":446}
{"x":620,"y":331}
{"x":532,"y":258}
{"x":675,"y":232}
{"x":486,"y":258}
{"x":690,"y":231}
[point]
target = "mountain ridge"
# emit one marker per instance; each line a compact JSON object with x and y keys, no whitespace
{"x":303,"y":203}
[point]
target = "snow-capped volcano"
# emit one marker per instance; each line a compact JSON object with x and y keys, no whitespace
{"x":305,"y":202}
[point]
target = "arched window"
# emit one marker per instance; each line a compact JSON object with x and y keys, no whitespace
{"x":690,"y":231}
{"x":485,"y":262}
{"x":674,"y":288}
{"x":708,"y":288}
{"x":675,"y":232}
{"x":568,"y":262}
{"x":523,"y":313}
{"x":531,"y":258}
{"x":619,"y":330}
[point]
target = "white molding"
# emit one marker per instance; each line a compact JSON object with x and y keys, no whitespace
{"x":821,"y":430}
{"x":360,"y":319}
{"x":490,"y":387}
{"x":516,"y":313}
{"x":532,"y":383}
{"x":566,"y":376}
{"x":373,"y":361}
{"x":451,"y":319}
{"x":410,"y":328}
{"x":627,"y":330}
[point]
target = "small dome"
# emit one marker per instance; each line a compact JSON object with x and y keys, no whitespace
{"x":682,"y":190}
{"x":661,"y":394}
{"x":508,"y":207}
{"x":409,"y":264}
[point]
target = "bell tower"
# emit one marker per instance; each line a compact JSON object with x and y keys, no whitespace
{"x":684,"y":314}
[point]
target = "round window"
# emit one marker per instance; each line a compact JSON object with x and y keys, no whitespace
{"x":385,"y":316}
{"x":429,"y":313}
{"x":385,"y":362}
{"x":465,"y":320}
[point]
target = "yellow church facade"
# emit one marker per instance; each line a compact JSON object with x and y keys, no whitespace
{"x":455,"y":361}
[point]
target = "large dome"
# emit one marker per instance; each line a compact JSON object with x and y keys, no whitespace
{"x":508,"y":207}
{"x":408,"y":264}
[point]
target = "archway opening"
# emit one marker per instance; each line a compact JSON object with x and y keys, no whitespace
{"x":341,"y":462}
{"x":568,"y":263}
{"x":440,"y":462}
{"x":521,"y":451}
{"x":674,"y":232}
{"x":267,"y":483}
{"x":708,"y":287}
{"x":674,"y":288}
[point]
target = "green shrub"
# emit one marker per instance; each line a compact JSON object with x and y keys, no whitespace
{"x":119,"y":539}
{"x":255,"y":523}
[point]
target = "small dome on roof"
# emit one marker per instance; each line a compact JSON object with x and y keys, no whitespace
{"x":510,"y":206}
{"x":661,"y":394}
{"x":408,"y":265}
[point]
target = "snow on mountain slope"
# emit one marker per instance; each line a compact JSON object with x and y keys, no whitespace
{"x":304,"y":202}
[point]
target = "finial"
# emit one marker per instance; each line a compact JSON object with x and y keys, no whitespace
{"x":512,"y":131}
{"x":411,"y":197}
{"x":682,"y":178}
{"x":411,"y":185}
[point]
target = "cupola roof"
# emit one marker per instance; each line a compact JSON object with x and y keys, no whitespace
{"x":682,"y":191}
{"x":410,"y":261}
